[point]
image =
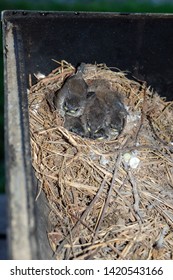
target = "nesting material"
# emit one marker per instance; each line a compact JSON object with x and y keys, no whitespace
{"x":108,"y":199}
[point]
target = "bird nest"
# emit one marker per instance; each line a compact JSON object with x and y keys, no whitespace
{"x":108,"y":199}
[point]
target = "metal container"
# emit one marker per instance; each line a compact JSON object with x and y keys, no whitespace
{"x":139,"y":43}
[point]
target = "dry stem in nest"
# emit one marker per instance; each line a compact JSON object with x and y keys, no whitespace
{"x":108,"y":199}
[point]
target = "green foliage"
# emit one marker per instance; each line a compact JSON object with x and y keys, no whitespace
{"x":78,"y":5}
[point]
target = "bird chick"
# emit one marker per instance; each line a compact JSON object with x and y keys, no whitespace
{"x":116,"y":114}
{"x":74,"y":125}
{"x":100,"y":134}
{"x":94,"y":117}
{"x":71,"y":98}
{"x":113,"y":107}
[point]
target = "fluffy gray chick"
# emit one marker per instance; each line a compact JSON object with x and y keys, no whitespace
{"x":71,"y":98}
{"x":74,"y":125}
{"x":114,"y":108}
{"x":94,"y":117}
{"x":116,"y":114}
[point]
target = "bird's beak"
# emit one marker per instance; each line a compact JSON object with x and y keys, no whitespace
{"x":72,"y":111}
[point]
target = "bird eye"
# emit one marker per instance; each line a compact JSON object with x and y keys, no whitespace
{"x":115,"y":130}
{"x":65,"y":106}
{"x":99,"y":129}
{"x":88,"y":126}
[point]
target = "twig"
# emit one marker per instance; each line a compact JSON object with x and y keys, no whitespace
{"x":30,"y":81}
{"x":135,"y":194}
{"x":157,"y":199}
{"x":87,"y":255}
{"x":97,"y":246}
{"x":157,"y":136}
{"x":54,"y":78}
{"x":126,"y":202}
{"x":108,"y":196}
{"x":83,"y":215}
{"x":116,"y":251}
{"x":159,"y":243}
{"x":143,"y":112}
{"x":40,"y":188}
{"x":82,"y":222}
{"x":69,"y":138}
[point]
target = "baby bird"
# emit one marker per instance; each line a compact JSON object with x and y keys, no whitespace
{"x":94,"y":117}
{"x":71,"y":98}
{"x":101,"y":134}
{"x":116,"y":114}
{"x":114,"y":107}
{"x":74,"y":125}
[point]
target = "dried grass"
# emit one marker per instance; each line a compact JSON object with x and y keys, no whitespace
{"x":100,"y":207}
